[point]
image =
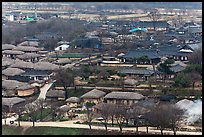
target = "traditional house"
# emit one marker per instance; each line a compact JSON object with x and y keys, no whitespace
{"x":176,"y":52}
{"x":29,"y":57}
{"x":177,"y":67}
{"x":13,"y":102}
{"x":36,"y":75}
{"x":23,"y":65}
{"x":11,"y":53}
{"x":73,"y":102}
{"x":25,"y":90}
{"x":7,"y":47}
{"x":153,"y":25}
{"x":94,"y":95}
{"x":10,"y":72}
{"x":63,"y":110}
{"x":142,"y":73}
{"x":62,"y":61}
{"x":56,"y":95}
{"x":141,"y":56}
{"x":6,"y":62}
{"x":27,"y":49}
{"x":10,"y":87}
{"x":126,"y":98}
{"x":45,"y":66}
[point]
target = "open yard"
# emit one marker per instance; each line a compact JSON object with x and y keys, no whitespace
{"x":12,"y":130}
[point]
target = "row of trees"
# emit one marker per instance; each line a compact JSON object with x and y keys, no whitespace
{"x":162,"y":116}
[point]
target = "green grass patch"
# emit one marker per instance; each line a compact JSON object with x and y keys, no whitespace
{"x":45,"y":113}
{"x":68,"y":55}
{"x":53,"y":131}
{"x":77,"y":93}
{"x":11,"y":130}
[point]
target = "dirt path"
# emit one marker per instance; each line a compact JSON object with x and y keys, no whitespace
{"x":24,"y":130}
{"x":71,"y":124}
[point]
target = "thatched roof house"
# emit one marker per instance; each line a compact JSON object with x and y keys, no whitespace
{"x":12,"y":101}
{"x":63,"y":108}
{"x":93,"y":94}
{"x":56,"y":94}
{"x":124,"y":95}
{"x":22,"y":65}
{"x":73,"y":100}
{"x":26,"y":49}
{"x":7,"y":62}
{"x":45,"y":66}
{"x":7,"y":46}
{"x":29,"y":43}
{"x":25,"y":87}
{"x":11,"y":84}
{"x":62,"y":61}
{"x":130,"y":82}
{"x":12,"y":52}
{"x":28,"y":56}
{"x":12,"y":72}
{"x":125,"y":98}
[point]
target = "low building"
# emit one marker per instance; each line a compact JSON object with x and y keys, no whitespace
{"x":11,"y":53}
{"x":73,"y":102}
{"x":10,"y":72}
{"x":36,"y":75}
{"x":29,"y":57}
{"x":62,"y":47}
{"x":142,"y":56}
{"x":56,"y":95}
{"x":142,"y":73}
{"x":13,"y":102}
{"x":94,"y":95}
{"x":126,"y":98}
{"x":154,"y":25}
{"x":25,"y":90}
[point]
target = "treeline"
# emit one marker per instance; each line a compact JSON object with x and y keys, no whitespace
{"x":68,"y":29}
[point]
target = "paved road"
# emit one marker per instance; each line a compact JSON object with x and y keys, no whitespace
{"x":71,"y":124}
{"x":44,"y":90}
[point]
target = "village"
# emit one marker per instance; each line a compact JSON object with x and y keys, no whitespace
{"x":137,"y":73}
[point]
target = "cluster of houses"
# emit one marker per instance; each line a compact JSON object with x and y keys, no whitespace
{"x":26,"y":69}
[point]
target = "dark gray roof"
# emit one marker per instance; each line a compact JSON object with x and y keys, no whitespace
{"x":124,"y":95}
{"x":177,"y":68}
{"x":95,"y":93}
{"x":152,"y":24}
{"x":150,"y":53}
{"x":37,"y":73}
{"x":137,"y":71}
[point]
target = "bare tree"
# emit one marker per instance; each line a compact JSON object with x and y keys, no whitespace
{"x":65,"y":77}
{"x":19,"y":111}
{"x":90,"y":113}
{"x":136,"y":112}
{"x":40,"y":104}
{"x":165,"y":116}
{"x":196,"y":57}
{"x":4,"y":113}
{"x":106,"y":112}
{"x":154,"y":15}
{"x":31,"y":109}
{"x":120,"y":115}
